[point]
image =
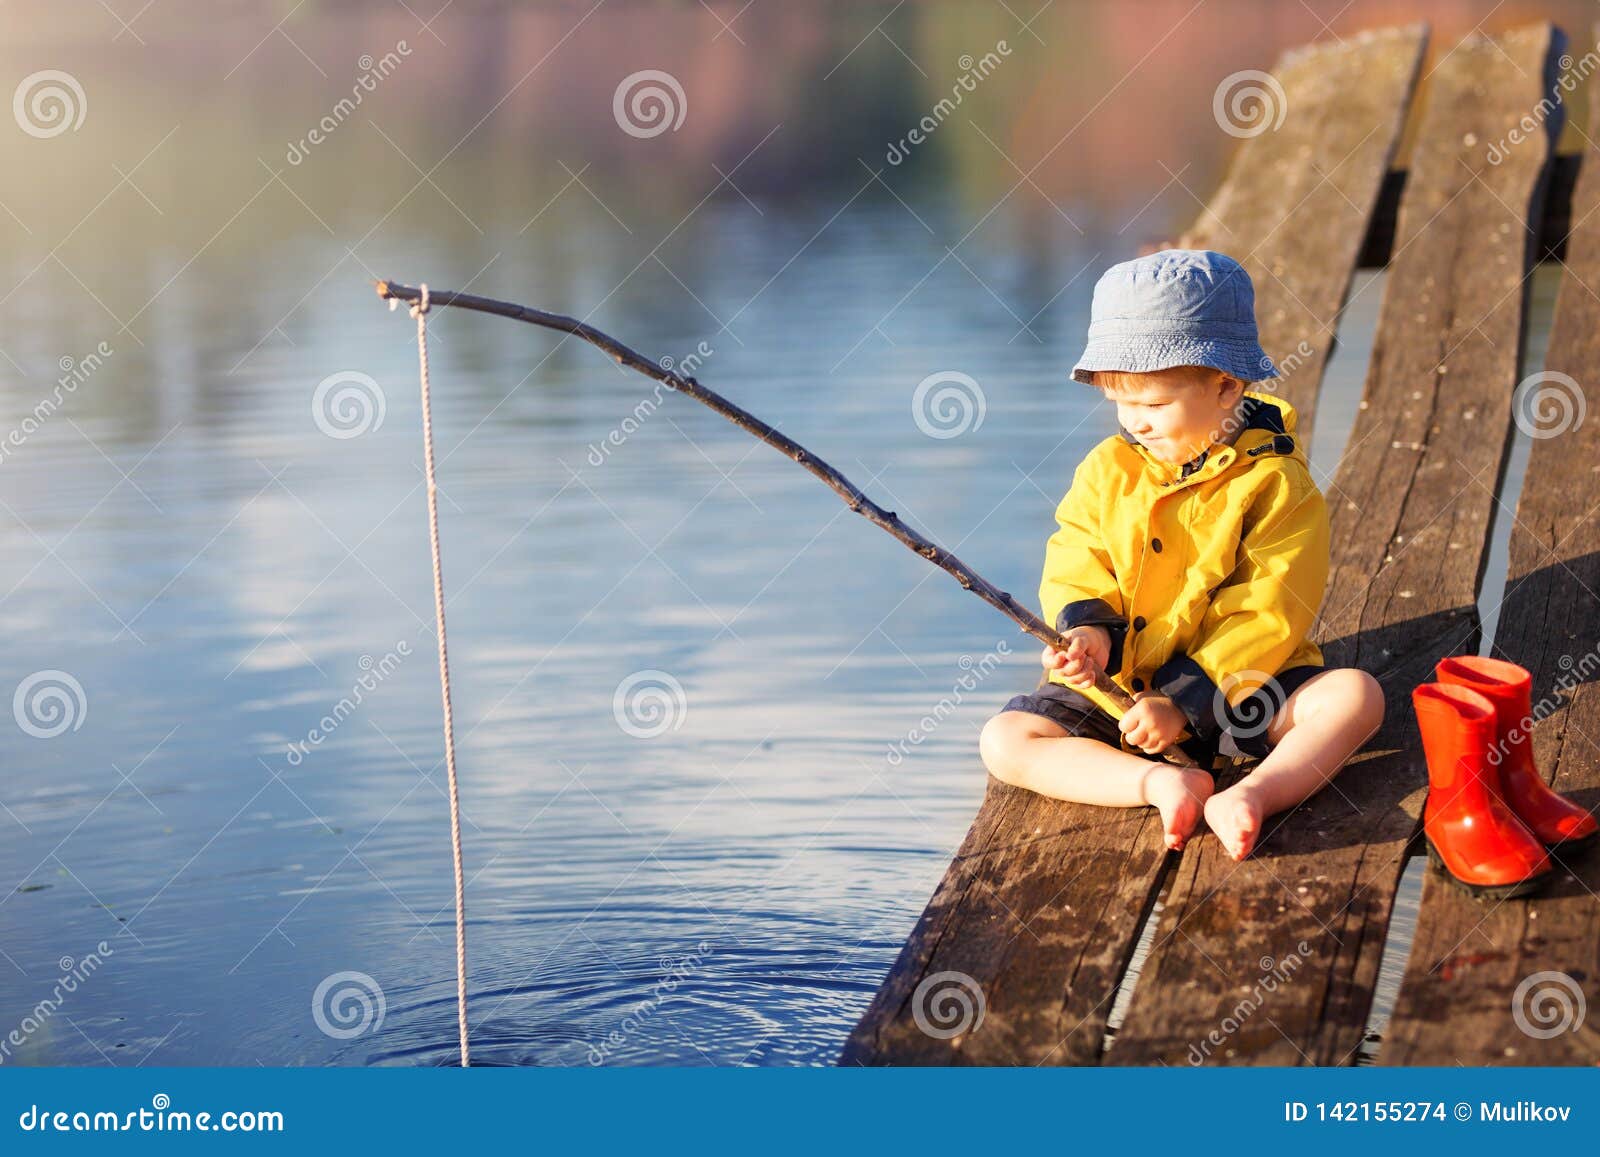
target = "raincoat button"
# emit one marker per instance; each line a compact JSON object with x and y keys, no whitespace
{"x":1138,"y":622}
{"x":1138,"y":684}
{"x":1155,"y":545}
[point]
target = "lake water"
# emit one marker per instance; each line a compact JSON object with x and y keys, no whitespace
{"x":681,"y":666}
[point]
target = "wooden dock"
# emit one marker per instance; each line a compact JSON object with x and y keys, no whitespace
{"x":1274,"y":961}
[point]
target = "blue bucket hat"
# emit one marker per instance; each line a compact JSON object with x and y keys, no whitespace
{"x":1178,"y":307}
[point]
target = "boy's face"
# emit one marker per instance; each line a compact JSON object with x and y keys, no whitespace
{"x":1174,"y":413}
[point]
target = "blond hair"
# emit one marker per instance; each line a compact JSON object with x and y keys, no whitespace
{"x":1115,"y":381}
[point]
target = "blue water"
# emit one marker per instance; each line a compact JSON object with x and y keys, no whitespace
{"x":217,"y":603}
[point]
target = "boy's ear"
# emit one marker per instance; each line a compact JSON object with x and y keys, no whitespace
{"x":1231,"y":390}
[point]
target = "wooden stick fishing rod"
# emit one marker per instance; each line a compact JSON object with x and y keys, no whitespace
{"x":853,"y":497}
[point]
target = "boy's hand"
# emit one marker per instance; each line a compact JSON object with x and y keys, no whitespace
{"x":1152,"y":723}
{"x":1087,"y":652}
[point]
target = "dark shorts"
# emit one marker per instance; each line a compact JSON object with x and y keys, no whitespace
{"x":1081,"y":716}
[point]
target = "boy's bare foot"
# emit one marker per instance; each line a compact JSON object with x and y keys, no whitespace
{"x":1179,"y":794}
{"x":1235,"y":815}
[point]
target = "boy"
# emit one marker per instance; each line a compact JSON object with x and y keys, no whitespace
{"x":1190,"y":559}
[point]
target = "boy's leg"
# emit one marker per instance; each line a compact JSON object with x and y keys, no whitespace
{"x":1322,"y":724}
{"x":1031,"y":751}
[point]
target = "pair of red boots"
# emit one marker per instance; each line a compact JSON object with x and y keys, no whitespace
{"x":1489,"y":817}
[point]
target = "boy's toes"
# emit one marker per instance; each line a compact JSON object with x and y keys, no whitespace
{"x":1178,"y":797}
{"x":1178,"y":828}
{"x":1236,"y":820}
{"x":1180,"y":821}
{"x":1244,"y":840}
{"x":1175,"y":836}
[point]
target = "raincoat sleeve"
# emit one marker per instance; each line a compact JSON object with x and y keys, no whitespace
{"x":1258,"y":617}
{"x":1079,"y":588}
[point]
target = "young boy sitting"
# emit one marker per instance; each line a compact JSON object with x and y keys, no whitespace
{"x":1190,"y":559}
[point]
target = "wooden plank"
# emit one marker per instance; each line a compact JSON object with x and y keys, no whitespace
{"x":1411,"y":505}
{"x":1033,"y":924}
{"x":1296,"y":204}
{"x":1043,"y":904}
{"x":1456,"y":1003}
{"x":1553,"y":229}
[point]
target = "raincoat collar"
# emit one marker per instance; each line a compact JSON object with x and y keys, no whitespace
{"x":1269,"y":424}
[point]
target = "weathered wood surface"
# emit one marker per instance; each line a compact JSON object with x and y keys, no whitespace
{"x":1553,"y":229}
{"x":1041,"y":908}
{"x":1458,"y":1002}
{"x":1033,"y":924}
{"x":1411,"y":504}
{"x":1298,"y":200}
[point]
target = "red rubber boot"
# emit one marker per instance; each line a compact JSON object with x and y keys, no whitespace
{"x":1472,"y":834}
{"x":1555,"y":819}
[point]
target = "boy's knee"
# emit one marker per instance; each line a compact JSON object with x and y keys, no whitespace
{"x":1362,"y":693}
{"x":1354,"y":692}
{"x":1370,"y":692}
{"x":998,"y":744}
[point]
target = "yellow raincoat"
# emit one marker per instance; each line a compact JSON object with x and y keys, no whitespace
{"x":1208,"y":577}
